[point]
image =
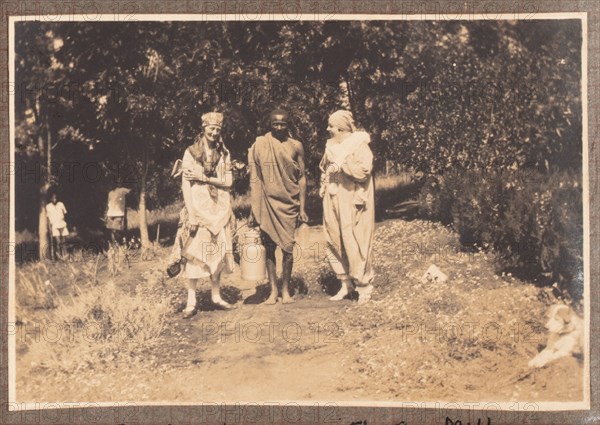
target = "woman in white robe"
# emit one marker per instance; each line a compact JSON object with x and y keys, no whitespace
{"x":206,"y":183}
{"x":348,"y":205}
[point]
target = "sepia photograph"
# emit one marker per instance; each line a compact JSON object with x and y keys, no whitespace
{"x":359,"y":210}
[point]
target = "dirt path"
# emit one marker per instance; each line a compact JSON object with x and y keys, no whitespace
{"x":401,"y":346}
{"x":257,"y":351}
{"x":260,"y":352}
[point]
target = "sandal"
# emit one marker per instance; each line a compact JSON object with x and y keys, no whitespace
{"x":364,"y":293}
{"x":224,"y":305}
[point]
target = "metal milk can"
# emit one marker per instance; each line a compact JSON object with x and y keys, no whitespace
{"x":253,"y":259}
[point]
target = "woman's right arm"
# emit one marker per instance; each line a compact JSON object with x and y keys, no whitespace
{"x":323,"y":167}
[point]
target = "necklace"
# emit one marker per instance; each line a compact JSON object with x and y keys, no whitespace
{"x":210,"y":158}
{"x":210,"y":151}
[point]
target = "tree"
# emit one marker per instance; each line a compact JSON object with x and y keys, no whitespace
{"x":37,"y":105}
{"x":435,"y":96}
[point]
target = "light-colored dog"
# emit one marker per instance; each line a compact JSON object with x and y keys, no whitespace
{"x":565,"y":335}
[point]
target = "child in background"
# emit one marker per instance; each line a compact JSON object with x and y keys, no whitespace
{"x":56,"y":211}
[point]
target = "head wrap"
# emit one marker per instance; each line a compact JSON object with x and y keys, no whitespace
{"x":197,"y":150}
{"x":343,"y":120}
{"x":279,"y":112}
{"x":212,"y":118}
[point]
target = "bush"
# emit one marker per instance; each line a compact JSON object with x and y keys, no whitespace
{"x":436,"y":197}
{"x":543,"y":230}
{"x":533,"y":221}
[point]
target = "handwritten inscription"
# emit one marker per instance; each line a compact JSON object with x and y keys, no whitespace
{"x":458,"y":422}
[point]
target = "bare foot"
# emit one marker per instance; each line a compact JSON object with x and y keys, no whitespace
{"x":286,"y":299}
{"x":271,"y":300}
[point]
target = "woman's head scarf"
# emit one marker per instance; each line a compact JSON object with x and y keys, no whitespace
{"x":343,"y":120}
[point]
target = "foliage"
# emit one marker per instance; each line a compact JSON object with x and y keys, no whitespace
{"x":478,"y":95}
{"x":450,"y":99}
{"x":435,"y":95}
{"x":533,"y":221}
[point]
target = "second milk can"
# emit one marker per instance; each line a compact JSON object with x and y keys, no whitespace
{"x":253,"y":260}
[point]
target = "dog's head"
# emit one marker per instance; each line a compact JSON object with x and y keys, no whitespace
{"x":560,"y":319}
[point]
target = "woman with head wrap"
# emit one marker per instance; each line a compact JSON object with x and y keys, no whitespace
{"x":348,"y":205}
{"x":206,"y":233}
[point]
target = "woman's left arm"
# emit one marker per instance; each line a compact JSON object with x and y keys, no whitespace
{"x":359,"y":164}
{"x":224,"y":178}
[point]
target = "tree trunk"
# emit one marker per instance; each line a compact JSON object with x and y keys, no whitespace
{"x":44,"y":248}
{"x":351,"y":100}
{"x":145,"y":239}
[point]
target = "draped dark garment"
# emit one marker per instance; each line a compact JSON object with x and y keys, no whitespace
{"x":275,"y":192}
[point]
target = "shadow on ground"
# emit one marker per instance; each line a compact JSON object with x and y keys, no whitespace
{"x":230,"y":294}
{"x":263,"y":291}
{"x":330,"y":285}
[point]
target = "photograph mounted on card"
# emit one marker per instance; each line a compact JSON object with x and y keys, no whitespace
{"x":367,"y":210}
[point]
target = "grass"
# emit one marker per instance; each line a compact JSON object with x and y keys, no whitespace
{"x":34,"y":290}
{"x":99,"y":318}
{"x":438,"y":328}
{"x":394,"y":194}
{"x":41,"y":285}
{"x":168,"y":214}
{"x":387,"y":183}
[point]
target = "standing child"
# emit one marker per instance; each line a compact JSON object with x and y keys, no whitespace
{"x":56,"y":211}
